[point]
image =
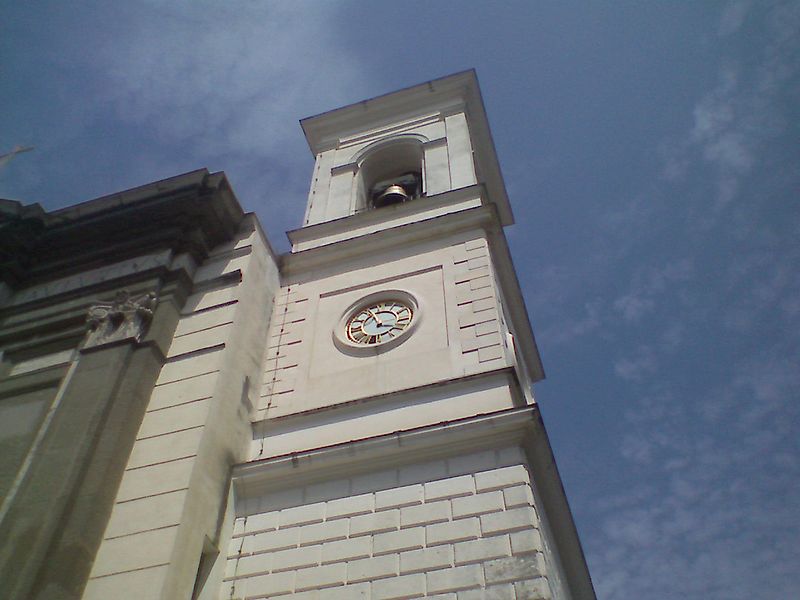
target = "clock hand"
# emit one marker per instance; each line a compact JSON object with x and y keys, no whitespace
{"x":374,"y":316}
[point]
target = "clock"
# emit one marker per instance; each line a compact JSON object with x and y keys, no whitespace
{"x":379,"y":321}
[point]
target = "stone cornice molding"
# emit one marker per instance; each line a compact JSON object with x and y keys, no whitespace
{"x":190,"y":213}
{"x":412,"y":208}
{"x":296,"y":263}
{"x":400,"y":447}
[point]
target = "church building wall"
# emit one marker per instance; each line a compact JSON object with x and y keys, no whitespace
{"x":463,"y":526}
{"x":173,"y":495}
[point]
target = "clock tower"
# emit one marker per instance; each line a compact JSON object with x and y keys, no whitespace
{"x":397,"y":448}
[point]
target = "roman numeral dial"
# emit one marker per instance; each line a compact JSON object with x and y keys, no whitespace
{"x":379,"y":322}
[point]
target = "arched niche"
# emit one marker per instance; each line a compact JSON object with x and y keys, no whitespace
{"x":397,"y":162}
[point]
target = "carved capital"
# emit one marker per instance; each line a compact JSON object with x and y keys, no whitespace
{"x":124,"y":317}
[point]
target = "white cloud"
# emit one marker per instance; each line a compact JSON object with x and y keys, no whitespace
{"x":733,"y":121}
{"x":633,"y":307}
{"x":733,"y":17}
{"x":764,"y":283}
{"x":673,"y":335}
{"x":637,"y":367}
{"x":628,"y":217}
{"x":549,"y":300}
{"x":715,"y":484}
{"x":128,"y":93}
{"x":650,"y":285}
{"x":233,"y":76}
{"x":723,"y":136}
{"x":709,"y":450}
{"x":707,"y":500}
{"x":715,"y":112}
{"x":200,"y":84}
{"x":568,"y":330}
{"x":730,"y":150}
{"x":676,"y":162}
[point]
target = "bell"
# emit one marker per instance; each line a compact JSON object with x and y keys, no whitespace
{"x":394,"y":194}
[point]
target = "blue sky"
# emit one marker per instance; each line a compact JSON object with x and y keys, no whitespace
{"x":651,"y":155}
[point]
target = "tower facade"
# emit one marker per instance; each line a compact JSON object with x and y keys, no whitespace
{"x":397,"y":448}
{"x":194,"y":416}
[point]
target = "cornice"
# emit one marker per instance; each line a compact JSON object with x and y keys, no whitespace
{"x":296,"y":263}
{"x":189,"y":213}
{"x":417,"y":206}
{"x":401,"y":447}
{"x":325,"y":130}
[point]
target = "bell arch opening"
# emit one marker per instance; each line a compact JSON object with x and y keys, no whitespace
{"x":391,"y":174}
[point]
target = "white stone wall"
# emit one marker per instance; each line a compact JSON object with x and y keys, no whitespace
{"x":457,"y":528}
{"x":460,"y":332}
{"x":482,"y":342}
{"x":284,"y":349}
{"x":168,"y":498}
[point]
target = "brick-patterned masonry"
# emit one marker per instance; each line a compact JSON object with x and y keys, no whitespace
{"x":478,"y":319}
{"x":283,"y":349}
{"x":458,"y":528}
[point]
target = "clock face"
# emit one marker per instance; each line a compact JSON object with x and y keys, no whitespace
{"x":379,"y":322}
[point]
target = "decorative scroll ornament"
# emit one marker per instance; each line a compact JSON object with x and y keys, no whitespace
{"x":123,"y":318}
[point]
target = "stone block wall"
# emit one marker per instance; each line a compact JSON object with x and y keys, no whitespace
{"x":284,"y":349}
{"x":456,"y":528}
{"x":480,"y":334}
{"x":154,"y":538}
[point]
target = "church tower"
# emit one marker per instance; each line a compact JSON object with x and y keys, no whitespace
{"x":397,"y":449}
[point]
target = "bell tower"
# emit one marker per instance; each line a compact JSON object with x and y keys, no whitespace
{"x":398,"y":451}
{"x":419,"y":142}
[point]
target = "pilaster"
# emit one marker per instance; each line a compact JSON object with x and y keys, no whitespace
{"x":133,"y":277}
